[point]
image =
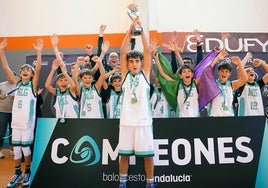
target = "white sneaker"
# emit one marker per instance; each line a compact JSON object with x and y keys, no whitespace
{"x":1,"y":155}
{"x":26,"y":179}
{"x":15,"y":180}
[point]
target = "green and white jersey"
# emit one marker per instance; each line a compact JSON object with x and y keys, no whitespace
{"x":136,"y":107}
{"x":24,"y":105}
{"x":113,"y":106}
{"x":66,"y":105}
{"x":90,"y":103}
{"x":187,"y":97}
{"x":222,"y":104}
{"x":160,"y":107}
{"x":250,"y":101}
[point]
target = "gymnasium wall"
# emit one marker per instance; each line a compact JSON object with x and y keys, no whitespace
{"x":77,"y":22}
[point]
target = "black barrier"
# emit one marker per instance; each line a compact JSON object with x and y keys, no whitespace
{"x":190,"y":152}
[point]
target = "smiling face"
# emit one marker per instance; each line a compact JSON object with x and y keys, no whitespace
{"x":86,"y":76}
{"x":134,"y":59}
{"x":87,"y":79}
{"x":134,"y":65}
{"x":251,"y":74}
{"x":185,"y":72}
{"x":224,"y":75}
{"x":62,"y":82}
{"x":113,"y":59}
{"x":117,"y":83}
{"x":186,"y":75}
{"x":26,"y":72}
{"x":224,"y":71}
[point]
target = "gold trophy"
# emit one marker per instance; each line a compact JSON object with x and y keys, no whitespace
{"x":132,"y":11}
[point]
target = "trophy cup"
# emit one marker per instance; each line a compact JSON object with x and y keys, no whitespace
{"x":132,"y":11}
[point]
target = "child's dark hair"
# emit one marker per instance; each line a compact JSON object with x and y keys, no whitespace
{"x":86,"y":71}
{"x":27,"y":66}
{"x":60,"y":76}
{"x":115,"y":76}
{"x":184,"y":66}
{"x":225,"y":65}
{"x":134,"y":54}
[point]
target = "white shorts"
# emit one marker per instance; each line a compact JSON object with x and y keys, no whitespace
{"x":136,"y":140}
{"x":22,"y":137}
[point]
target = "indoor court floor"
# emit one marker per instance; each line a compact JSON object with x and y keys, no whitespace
{"x":7,"y":169}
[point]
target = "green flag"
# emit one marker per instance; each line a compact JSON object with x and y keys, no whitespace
{"x":170,"y":88}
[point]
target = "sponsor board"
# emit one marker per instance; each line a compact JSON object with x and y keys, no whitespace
{"x":189,"y":152}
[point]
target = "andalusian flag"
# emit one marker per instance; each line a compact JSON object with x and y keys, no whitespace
{"x":208,"y":88}
{"x":170,"y":88}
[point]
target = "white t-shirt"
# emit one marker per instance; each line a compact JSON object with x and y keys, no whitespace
{"x":6,"y":103}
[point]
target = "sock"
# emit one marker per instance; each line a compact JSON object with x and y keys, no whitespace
{"x":123,"y":178}
{"x":148,"y":181}
{"x":27,"y":169}
{"x":18,"y":170}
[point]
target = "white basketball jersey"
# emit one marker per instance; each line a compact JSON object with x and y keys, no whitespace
{"x":136,"y":106}
{"x":222,"y":104}
{"x":90,"y":103}
{"x":250,"y":101}
{"x":113,"y":106}
{"x":160,"y":107}
{"x":187,"y":98}
{"x":23,"y":110}
{"x":66,"y":105}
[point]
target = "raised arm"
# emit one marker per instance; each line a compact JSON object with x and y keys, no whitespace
{"x":54,"y":41}
{"x":48,"y":85}
{"x":160,"y":69}
{"x":100,"y":38}
{"x":263,"y":64}
{"x":174,"y":61}
{"x":173,"y":46}
{"x":101,"y":78}
{"x":153,"y":49}
{"x":177,"y":53}
{"x":259,"y":62}
{"x":104,"y":49}
{"x":75,"y":73}
{"x":38,"y":46}
{"x":69,"y":78}
{"x":199,"y":50}
{"x":247,"y":57}
{"x":220,"y":56}
{"x":147,"y":56}
{"x":116,"y":69}
{"x":124,"y":49}
{"x":243,"y":75}
{"x":4,"y":61}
